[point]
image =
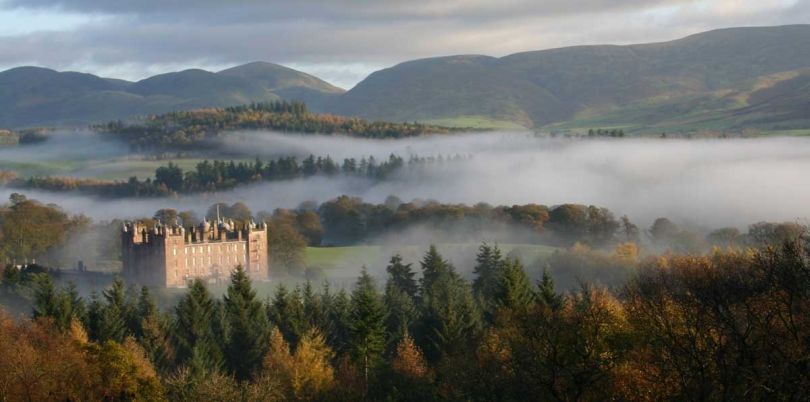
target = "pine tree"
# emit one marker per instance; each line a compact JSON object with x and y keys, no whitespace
{"x":146,"y":309}
{"x":247,"y":326}
{"x":46,"y":303}
{"x":339,"y":316}
{"x":194,"y":338}
{"x":286,"y":311}
{"x":514,"y":288}
{"x":114,"y":314}
{"x":546,"y":292}
{"x":401,"y":276}
{"x":488,"y":271}
{"x":400,"y":312}
{"x":367,"y":326}
{"x":449,"y":317}
{"x":433,"y":266}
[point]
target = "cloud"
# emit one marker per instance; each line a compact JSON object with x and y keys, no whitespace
{"x":335,"y":36}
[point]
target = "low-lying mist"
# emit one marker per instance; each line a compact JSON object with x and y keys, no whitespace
{"x":706,"y":182}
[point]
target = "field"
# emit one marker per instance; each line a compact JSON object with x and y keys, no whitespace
{"x":476,"y":122}
{"x":346,"y":262}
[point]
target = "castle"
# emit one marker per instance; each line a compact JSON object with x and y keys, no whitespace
{"x":171,"y":256}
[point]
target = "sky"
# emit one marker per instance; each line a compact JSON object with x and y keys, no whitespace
{"x":342,"y":41}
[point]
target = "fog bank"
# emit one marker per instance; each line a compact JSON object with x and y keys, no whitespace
{"x":711,"y":182}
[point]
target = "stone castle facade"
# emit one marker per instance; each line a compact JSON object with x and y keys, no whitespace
{"x":172,"y":256}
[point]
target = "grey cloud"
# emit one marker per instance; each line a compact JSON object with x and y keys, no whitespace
{"x":207,"y":33}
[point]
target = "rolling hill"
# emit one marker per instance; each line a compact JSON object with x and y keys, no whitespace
{"x":33,"y":96}
{"x":729,"y":78}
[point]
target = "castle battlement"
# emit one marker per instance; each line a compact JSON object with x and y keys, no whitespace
{"x":172,"y":255}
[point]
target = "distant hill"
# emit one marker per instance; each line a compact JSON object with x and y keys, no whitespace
{"x":729,"y":78}
{"x":33,"y":96}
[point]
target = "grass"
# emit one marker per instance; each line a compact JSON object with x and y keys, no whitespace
{"x":475,"y":122}
{"x":347,"y":261}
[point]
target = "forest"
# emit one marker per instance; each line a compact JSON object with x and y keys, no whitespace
{"x":194,"y":130}
{"x":685,"y":327}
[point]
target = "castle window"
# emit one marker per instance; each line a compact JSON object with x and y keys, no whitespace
{"x":185,"y":249}
{"x":193,"y":250}
{"x":174,"y":251}
{"x":209,"y":249}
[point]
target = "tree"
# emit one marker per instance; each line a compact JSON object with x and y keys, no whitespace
{"x":306,"y":375}
{"x":514,"y":290}
{"x":546,"y":294}
{"x":367,"y":326}
{"x":247,"y":326}
{"x":193,"y":332}
{"x":449,"y":318}
{"x":285,"y":247}
{"x":488,"y":272}
{"x":409,"y":361}
{"x":401,"y":276}
{"x":63,"y":306}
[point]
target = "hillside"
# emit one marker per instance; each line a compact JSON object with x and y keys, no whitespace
{"x":33,"y":96}
{"x":735,"y":78}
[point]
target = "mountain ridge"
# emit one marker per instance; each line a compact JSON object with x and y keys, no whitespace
{"x":724,"y":79}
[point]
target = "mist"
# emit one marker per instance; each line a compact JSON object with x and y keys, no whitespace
{"x":702,"y":182}
{"x":65,"y":146}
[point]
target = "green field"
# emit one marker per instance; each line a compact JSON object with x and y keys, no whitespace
{"x":475,"y":122}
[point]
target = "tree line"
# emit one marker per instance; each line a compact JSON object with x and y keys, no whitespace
{"x":220,"y":175}
{"x":728,"y":325}
{"x":194,"y":129}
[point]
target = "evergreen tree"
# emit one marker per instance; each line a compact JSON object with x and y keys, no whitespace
{"x":546,"y":293}
{"x":146,"y":309}
{"x":339,"y":317}
{"x":286,"y":312}
{"x":114,"y":314}
{"x":400,"y":312}
{"x":46,"y":299}
{"x":515,"y":289}
{"x":247,"y":326}
{"x":433,"y":267}
{"x":367,"y":326}
{"x":449,"y":318}
{"x":488,"y":272}
{"x":401,"y":276}
{"x":194,"y":338}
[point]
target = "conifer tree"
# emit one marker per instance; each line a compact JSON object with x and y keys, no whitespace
{"x":449,"y":317}
{"x":546,"y":293}
{"x":514,"y":288}
{"x":339,"y":316}
{"x":286,"y":311}
{"x":46,"y":303}
{"x":367,"y":326}
{"x":194,"y":338}
{"x":401,"y":276}
{"x":433,"y":266}
{"x":247,"y":326}
{"x":113,"y":314}
{"x":400,"y":313}
{"x":488,"y":271}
